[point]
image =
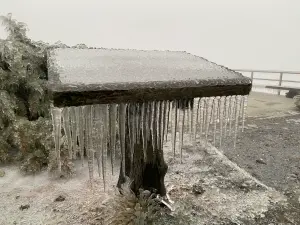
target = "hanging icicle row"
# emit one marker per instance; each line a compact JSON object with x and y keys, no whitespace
{"x":95,"y":130}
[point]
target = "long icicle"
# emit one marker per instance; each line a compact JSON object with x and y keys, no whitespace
{"x":144,"y":129}
{"x":137,"y":122}
{"x":73,"y":131}
{"x":221,"y":118}
{"x":205,"y":107}
{"x":237,"y":105}
{"x":182,"y":106}
{"x":158,"y":124}
{"x":244,"y":112}
{"x":147,"y":123}
{"x":227,"y":106}
{"x":207,"y":119}
{"x":98,"y":126}
{"x":67,"y":130}
{"x":196,"y":122}
{"x":81,"y":125}
{"x":78,"y":128}
{"x":89,"y":141}
{"x":167,"y":120}
{"x":163,"y":124}
{"x":215,"y":117}
{"x":154,"y":125}
{"x":112,"y":119}
{"x":201,"y":112}
{"x":104,"y":143}
{"x":174,"y":126}
{"x":191,"y":118}
{"x":122,"y":120}
{"x":56,"y":119}
{"x":231,"y":115}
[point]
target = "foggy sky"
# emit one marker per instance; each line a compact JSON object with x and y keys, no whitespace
{"x":257,"y":34}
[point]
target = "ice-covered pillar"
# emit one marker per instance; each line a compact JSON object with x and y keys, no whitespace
{"x":143,"y":85}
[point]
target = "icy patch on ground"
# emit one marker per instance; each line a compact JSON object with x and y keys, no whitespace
{"x":229,"y":193}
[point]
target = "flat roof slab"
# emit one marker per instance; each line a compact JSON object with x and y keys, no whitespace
{"x":95,"y":76}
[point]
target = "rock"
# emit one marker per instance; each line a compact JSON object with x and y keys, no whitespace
{"x":293,"y":176}
{"x":2,"y":173}
{"x":197,"y":189}
{"x":260,"y":161}
{"x":60,"y":198}
{"x":297,"y":101}
{"x":23,"y":207}
{"x":145,"y":193}
{"x":18,"y":196}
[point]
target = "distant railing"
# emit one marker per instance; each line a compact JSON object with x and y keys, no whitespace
{"x":280,"y":80}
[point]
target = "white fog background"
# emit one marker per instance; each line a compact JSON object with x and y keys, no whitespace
{"x":240,"y":34}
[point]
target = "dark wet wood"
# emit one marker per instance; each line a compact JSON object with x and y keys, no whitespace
{"x":148,"y":173}
{"x":78,"y":98}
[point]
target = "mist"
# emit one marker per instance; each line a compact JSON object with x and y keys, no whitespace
{"x":240,"y":34}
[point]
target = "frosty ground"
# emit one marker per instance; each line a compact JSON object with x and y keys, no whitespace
{"x":258,"y":185}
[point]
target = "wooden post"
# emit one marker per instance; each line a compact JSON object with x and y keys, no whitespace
{"x":146,"y":173}
{"x":280,"y":82}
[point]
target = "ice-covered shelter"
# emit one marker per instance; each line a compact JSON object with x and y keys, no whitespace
{"x":104,"y":96}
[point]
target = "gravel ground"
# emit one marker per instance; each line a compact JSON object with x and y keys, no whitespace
{"x":207,"y":188}
{"x":269,"y":149}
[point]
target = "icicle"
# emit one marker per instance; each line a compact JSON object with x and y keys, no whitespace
{"x":244,"y":111}
{"x":88,"y":130}
{"x":81,"y":126}
{"x":128,"y":113}
{"x":215,"y":117}
{"x":208,"y":118}
{"x":181,"y":131}
{"x":122,"y":120}
{"x":132,"y":121}
{"x":237,"y":105}
{"x":144,"y":123}
{"x":153,"y":124}
{"x":227,"y":106}
{"x":112,"y":119}
{"x":158,"y":123}
{"x":174,"y":126}
{"x":148,"y":123}
{"x":163,"y":123}
{"x":168,"y":110}
{"x":232,"y":113}
{"x":221,"y":118}
{"x":137,"y":122}
{"x":56,"y":121}
{"x":67,"y":130}
{"x":191,"y":118}
{"x":73,"y":131}
{"x":78,"y":130}
{"x":98,"y":127}
{"x":204,"y":117}
{"x":241,"y":107}
{"x":196,"y":122}
{"x":201,"y":113}
{"x":104,"y":109}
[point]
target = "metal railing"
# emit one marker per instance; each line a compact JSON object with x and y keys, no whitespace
{"x":280,"y":80}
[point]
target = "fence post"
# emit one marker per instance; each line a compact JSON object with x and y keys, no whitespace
{"x":252,"y":75}
{"x":280,"y":82}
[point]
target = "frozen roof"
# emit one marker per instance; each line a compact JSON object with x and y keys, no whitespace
{"x":97,"y":70}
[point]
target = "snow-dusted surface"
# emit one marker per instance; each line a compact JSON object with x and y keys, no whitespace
{"x":230,"y":196}
{"x":230,"y":193}
{"x":109,"y":66}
